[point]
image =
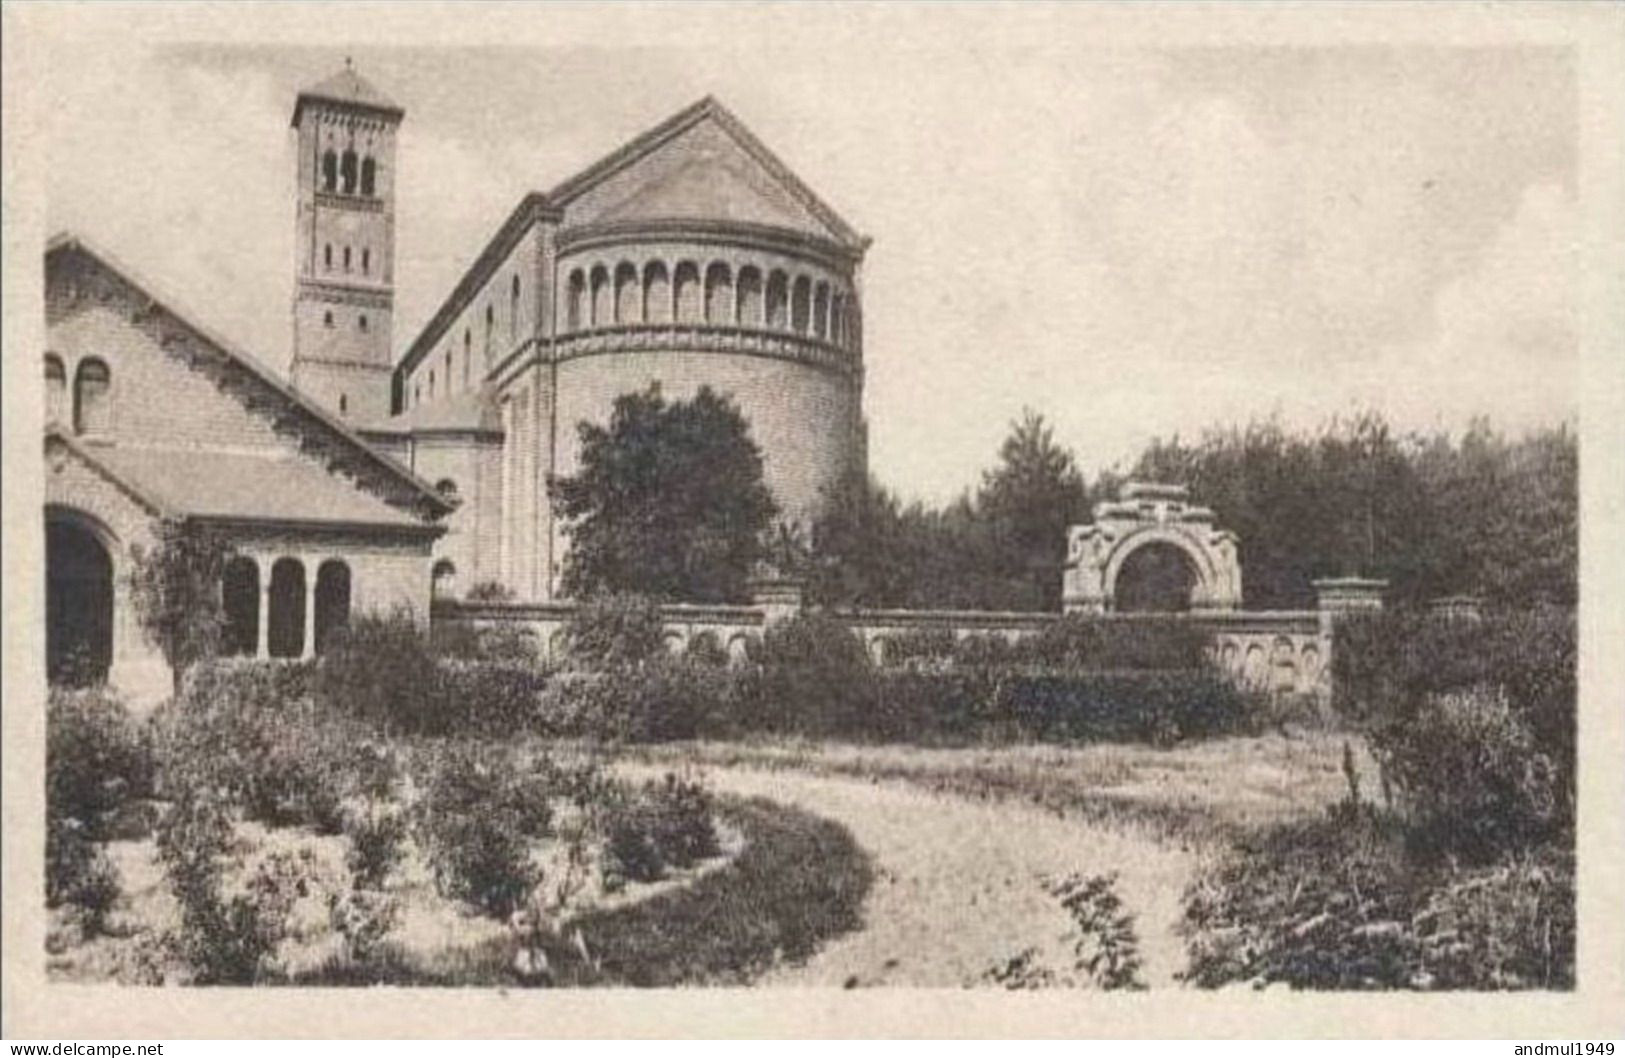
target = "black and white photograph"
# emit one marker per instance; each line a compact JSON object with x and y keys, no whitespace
{"x":816,"y":499}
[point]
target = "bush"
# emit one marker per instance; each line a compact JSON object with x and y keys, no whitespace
{"x":380,"y":669}
{"x":1080,"y":643}
{"x":236,"y":734}
{"x":506,"y":642}
{"x":810,"y":675}
{"x":669,"y":822}
{"x":476,"y":820}
{"x":96,"y":759}
{"x":485,"y":698}
{"x":376,"y":838}
{"x":612,"y":631}
{"x":225,"y":940}
{"x":78,"y":873}
{"x":664,"y":699}
{"x":1338,"y":903}
{"x":361,"y":919}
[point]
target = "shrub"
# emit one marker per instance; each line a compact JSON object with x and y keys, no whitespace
{"x":1467,"y":775}
{"x":236,"y":733}
{"x":493,"y":699}
{"x":380,"y":669}
{"x":610,"y":631}
{"x":661,"y":700}
{"x":810,"y":675}
{"x":476,"y":820}
{"x":669,"y":822}
{"x":78,"y":873}
{"x":96,"y":759}
{"x":225,"y":940}
{"x":1337,"y":903}
{"x":917,"y":646}
{"x":1081,"y":643}
{"x":502,"y":641}
{"x":376,"y":837}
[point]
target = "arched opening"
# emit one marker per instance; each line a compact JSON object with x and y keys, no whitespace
{"x":330,"y":170}
{"x":628,"y":294}
{"x":344,"y":403}
{"x":750,"y":297}
{"x":821,"y":310}
{"x":286,"y":622}
{"x":575,"y":307}
{"x":366,"y":261}
{"x":90,"y":396}
{"x":513,"y":311}
{"x":490,"y":326}
{"x":778,"y":301}
{"x":447,"y":489}
{"x":449,"y":375}
{"x":327,"y":256}
{"x":444,"y":585}
{"x":369,"y":174}
{"x":719,"y":294}
{"x":332,"y":600}
{"x":346,"y":258}
{"x":56,"y":388}
{"x":78,"y":604}
{"x":347,"y":172}
{"x":1156,"y":577}
{"x":800,"y":304}
{"x":602,"y":311}
{"x":687,"y":281}
{"x":361,"y":322}
{"x":240,"y":598}
{"x":656,"y":293}
{"x":327,"y":318}
{"x":837,"y":318}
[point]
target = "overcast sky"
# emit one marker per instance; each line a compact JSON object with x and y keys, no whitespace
{"x":1132,"y":242}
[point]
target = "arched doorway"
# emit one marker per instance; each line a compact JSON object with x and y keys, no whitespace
{"x":332,"y":600}
{"x":286,"y":634}
{"x":78,"y":603}
{"x":1156,"y":577}
{"x":240,"y":598}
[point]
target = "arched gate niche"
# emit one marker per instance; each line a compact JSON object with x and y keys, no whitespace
{"x":1151,"y":551}
{"x":78,"y":598}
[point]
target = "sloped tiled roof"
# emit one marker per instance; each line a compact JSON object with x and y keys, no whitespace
{"x":368,"y":461}
{"x":349,"y":88}
{"x":269,"y":486}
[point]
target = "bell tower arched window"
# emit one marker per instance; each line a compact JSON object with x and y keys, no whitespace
{"x":369,"y":175}
{"x":56,"y":388}
{"x":347,"y":172}
{"x":330,"y":170}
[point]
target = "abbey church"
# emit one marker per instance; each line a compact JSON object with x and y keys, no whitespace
{"x":371,"y":476}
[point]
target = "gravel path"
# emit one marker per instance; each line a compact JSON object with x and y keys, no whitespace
{"x":959,"y":884}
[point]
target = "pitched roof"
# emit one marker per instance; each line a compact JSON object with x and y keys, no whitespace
{"x":414,"y":493}
{"x":268,"y":486}
{"x":710,"y":110}
{"x":349,"y":89}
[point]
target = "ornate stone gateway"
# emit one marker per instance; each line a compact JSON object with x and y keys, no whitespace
{"x":1151,"y":551}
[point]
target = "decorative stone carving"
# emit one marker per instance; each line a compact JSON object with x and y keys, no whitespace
{"x":1149,"y":514}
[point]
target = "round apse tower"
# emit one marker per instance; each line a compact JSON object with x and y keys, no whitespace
{"x":695,"y":258}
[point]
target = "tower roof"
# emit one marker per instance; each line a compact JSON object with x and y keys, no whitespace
{"x":347,"y":88}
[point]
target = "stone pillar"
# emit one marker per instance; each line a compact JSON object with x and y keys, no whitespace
{"x":1337,"y":597}
{"x":309,"y":644}
{"x":262,"y":629}
{"x":778,"y":597}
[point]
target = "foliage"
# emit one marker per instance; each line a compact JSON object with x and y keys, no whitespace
{"x":668,"y":823}
{"x":1337,"y":903}
{"x":489,"y":591}
{"x":483,"y":698}
{"x":810,"y":674}
{"x":668,"y":500}
{"x":1473,"y":721}
{"x":500,"y":641}
{"x":380,"y":669}
{"x":175,"y":588}
{"x":361,"y":919}
{"x":96,"y":759}
{"x":376,"y":835}
{"x":1104,"y":945}
{"x":476,"y":820}
{"x":611,"y":630}
{"x":1085,"y":644}
{"x":663,"y":700}
{"x":1028,"y":499}
{"x":225,"y":939}
{"x":78,"y":872}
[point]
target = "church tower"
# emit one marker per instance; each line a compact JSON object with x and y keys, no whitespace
{"x":344,"y":271}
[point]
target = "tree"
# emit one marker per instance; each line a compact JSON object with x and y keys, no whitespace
{"x":176,"y":590}
{"x":669,"y":501}
{"x":1028,"y":500}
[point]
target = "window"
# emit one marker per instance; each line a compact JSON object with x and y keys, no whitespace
{"x":347,"y":172}
{"x":56,"y":388}
{"x":448,"y":370}
{"x":417,"y":393}
{"x":330,"y":170}
{"x":513,"y":312}
{"x":332,"y":602}
{"x":346,"y":258}
{"x":431,"y":385}
{"x":90,"y":397}
{"x":327,"y":318}
{"x":369,"y":173}
{"x":447,"y":489}
{"x":286,"y":632}
{"x":362,"y":322}
{"x":240,"y":598}
{"x":490,"y":321}
{"x":344,"y":404}
{"x":444,"y":585}
{"x":327,"y":256}
{"x":366,"y":260}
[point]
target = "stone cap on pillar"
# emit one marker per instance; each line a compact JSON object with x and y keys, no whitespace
{"x":776,"y":594}
{"x":1349,"y":594}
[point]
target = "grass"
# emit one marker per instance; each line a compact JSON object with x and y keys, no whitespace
{"x":798,"y":881}
{"x":1208,"y":793}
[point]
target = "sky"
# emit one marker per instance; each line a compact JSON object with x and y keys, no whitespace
{"x":1134,"y":242}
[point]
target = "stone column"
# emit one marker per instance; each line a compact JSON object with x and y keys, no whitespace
{"x":309,"y":650}
{"x":262,"y":629}
{"x":1337,"y":597}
